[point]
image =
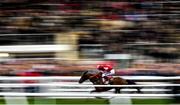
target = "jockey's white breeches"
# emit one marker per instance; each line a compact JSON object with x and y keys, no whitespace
{"x":112,"y":72}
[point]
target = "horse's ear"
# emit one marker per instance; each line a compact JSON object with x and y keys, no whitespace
{"x":85,"y":72}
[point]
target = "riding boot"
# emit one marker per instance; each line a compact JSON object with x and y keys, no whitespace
{"x":106,"y":80}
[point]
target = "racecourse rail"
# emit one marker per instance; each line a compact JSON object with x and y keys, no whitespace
{"x":66,"y":86}
{"x":77,"y":78}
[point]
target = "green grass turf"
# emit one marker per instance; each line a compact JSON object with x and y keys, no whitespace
{"x":153,"y":101}
{"x":48,"y":101}
{"x":34,"y":101}
{"x":2,"y":101}
{"x":82,"y":101}
{"x":98,"y":101}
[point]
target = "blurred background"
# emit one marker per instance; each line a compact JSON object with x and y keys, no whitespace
{"x":67,"y":37}
{"x":75,"y":35}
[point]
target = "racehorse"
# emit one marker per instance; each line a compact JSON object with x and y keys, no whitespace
{"x":97,"y":80}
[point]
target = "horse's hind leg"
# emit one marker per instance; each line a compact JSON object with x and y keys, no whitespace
{"x":138,"y":90}
{"x":117,"y":90}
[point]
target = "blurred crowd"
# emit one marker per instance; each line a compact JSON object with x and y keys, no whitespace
{"x":50,"y":67}
{"x":137,"y":27}
{"x":43,"y":67}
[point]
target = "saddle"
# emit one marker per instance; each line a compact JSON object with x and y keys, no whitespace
{"x":106,"y":78}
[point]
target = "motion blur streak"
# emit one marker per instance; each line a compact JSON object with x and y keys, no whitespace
{"x":68,"y":37}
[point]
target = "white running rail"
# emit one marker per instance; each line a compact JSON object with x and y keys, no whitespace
{"x":77,"y":78}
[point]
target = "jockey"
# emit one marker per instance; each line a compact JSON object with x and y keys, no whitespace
{"x":107,"y":71}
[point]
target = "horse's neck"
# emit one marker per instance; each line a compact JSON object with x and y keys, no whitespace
{"x":101,"y":83}
{"x":89,"y":75}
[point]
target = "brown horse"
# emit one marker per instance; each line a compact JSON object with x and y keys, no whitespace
{"x":96,"y":80}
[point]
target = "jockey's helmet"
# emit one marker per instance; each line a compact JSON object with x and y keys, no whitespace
{"x":100,"y":67}
{"x":104,"y":67}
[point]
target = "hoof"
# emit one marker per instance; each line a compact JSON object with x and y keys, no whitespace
{"x":99,"y":97}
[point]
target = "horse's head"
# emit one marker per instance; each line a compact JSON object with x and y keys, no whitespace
{"x":94,"y":78}
{"x":84,"y":77}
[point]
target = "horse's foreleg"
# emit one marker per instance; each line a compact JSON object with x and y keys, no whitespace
{"x":93,"y":91}
{"x":97,"y":89}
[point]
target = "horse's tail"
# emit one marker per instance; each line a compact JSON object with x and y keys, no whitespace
{"x":130,"y":82}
